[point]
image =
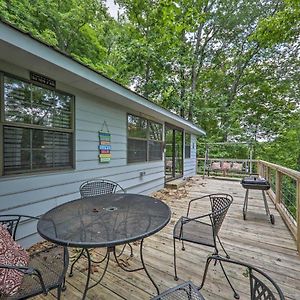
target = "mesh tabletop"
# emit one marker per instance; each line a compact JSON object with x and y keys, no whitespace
{"x":104,"y":221}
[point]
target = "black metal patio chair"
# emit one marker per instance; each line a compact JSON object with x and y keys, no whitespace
{"x":262,"y":286}
{"x":203,"y":229}
{"x":98,"y":187}
{"x":46,"y":269}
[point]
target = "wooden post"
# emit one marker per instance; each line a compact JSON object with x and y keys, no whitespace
{"x":278,"y":187}
{"x":258,"y":166}
{"x":298,"y":215}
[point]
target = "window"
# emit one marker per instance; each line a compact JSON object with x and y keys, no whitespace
{"x":144,"y":140}
{"x":37,"y":127}
{"x":187,"y":145}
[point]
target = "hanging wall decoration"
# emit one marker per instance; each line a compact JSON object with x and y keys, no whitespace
{"x":104,"y":144}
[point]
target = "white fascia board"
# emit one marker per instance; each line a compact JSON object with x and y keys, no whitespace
{"x":21,"y":49}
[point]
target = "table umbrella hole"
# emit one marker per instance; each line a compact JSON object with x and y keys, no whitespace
{"x":111,"y":208}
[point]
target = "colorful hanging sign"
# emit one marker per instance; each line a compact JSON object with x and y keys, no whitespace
{"x":104,"y":144}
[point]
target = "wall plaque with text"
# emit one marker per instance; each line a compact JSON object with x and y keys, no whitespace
{"x":42,"y":79}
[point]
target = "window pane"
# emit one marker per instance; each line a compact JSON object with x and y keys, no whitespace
{"x":155,"y":150}
{"x":16,"y":149}
{"x":34,"y":149}
{"x":137,"y":127}
{"x":62,"y":111}
{"x":42,"y":106}
{"x":136,"y":150}
{"x":31,"y":104}
{"x":156,"y":131}
{"x":187,"y":145}
{"x":17,"y":101}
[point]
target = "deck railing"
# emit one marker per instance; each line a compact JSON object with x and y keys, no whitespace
{"x":284,"y":191}
{"x":233,"y":168}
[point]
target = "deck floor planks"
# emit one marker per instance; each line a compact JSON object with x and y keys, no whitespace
{"x":256,"y":240}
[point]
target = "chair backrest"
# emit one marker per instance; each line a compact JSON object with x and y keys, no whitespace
{"x":99,"y":187}
{"x":10,"y":222}
{"x":220,"y":204}
{"x":262,"y":286}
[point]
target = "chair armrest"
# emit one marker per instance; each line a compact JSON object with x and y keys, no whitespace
{"x":193,"y":200}
{"x":185,"y":220}
{"x":12,"y":221}
{"x":28,"y":271}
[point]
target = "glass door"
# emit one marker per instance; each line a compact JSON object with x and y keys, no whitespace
{"x":173,"y":153}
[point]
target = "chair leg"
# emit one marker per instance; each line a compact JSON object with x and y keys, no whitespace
{"x":227,"y":255}
{"x":236,"y":295}
{"x":59,"y":292}
{"x":182,"y":248}
{"x":205,"y":272}
{"x":175,"y":269}
{"x":209,"y":259}
{"x":63,"y":285}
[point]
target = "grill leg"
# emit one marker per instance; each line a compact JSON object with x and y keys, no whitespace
{"x":266,"y":203}
{"x":245,"y":204}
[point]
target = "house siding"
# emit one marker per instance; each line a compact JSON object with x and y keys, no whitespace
{"x":36,"y":193}
{"x":189,"y":168}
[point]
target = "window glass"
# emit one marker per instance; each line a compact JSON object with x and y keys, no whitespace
{"x":155,"y":150}
{"x":17,"y":101}
{"x":137,"y":127}
{"x":29,"y":112}
{"x":155,"y":130}
{"x":144,"y":140}
{"x":137,"y":150}
{"x":31,"y":104}
{"x":187,"y":145}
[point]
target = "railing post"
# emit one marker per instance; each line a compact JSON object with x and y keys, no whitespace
{"x":259,"y":168}
{"x":298,"y":215}
{"x":278,"y":187}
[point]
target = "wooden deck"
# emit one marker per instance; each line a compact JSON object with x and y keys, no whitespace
{"x":256,"y":241}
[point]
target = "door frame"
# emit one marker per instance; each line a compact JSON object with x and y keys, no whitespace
{"x":174,"y":129}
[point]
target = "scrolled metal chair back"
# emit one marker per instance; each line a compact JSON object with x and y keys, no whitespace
{"x":11,"y":223}
{"x":262,"y":286}
{"x":220,"y":204}
{"x":259,"y":290}
{"x":99,"y":187}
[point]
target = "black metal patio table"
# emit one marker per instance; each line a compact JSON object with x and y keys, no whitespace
{"x":105,"y":221}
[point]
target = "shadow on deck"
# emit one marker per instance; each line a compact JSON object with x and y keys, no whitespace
{"x":255,"y":241}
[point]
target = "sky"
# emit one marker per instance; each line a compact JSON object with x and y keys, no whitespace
{"x":112,"y":8}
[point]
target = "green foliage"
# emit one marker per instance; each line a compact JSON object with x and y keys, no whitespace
{"x":230,"y":66}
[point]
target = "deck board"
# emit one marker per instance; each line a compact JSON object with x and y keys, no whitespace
{"x":256,"y":241}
